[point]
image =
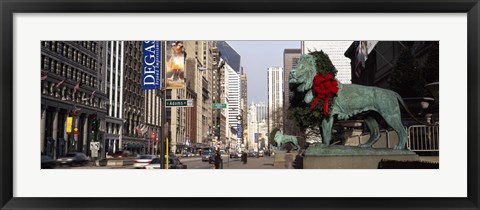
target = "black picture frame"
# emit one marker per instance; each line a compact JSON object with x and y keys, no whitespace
{"x":10,"y":7}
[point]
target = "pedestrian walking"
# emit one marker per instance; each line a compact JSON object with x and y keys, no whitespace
{"x":244,"y":157}
{"x":298,"y":162}
{"x":217,"y":160}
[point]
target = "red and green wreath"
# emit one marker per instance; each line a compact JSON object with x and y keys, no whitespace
{"x":324,"y":86}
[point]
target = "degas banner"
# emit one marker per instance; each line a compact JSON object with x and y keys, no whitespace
{"x":151,"y":65}
{"x":175,"y":65}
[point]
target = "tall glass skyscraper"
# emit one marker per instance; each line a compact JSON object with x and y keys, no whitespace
{"x":275,"y":97}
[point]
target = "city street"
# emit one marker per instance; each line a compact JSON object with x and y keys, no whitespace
{"x":196,"y":163}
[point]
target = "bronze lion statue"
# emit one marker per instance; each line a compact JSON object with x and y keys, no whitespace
{"x":351,"y":100}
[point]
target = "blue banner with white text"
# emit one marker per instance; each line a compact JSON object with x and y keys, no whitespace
{"x":151,"y":65}
{"x":239,"y":131}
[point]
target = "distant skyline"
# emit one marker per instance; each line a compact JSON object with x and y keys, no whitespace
{"x":256,"y":57}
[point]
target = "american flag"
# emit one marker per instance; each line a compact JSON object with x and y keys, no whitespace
{"x":89,"y":98}
{"x":144,"y":129}
{"x":361,"y":56}
{"x":76,"y":88}
{"x":59,"y":84}
{"x":93,"y":94}
{"x":137,"y":129}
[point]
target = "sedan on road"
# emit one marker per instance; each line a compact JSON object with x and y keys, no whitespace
{"x":234,"y":155}
{"x":207,"y":156}
{"x":173,"y":163}
{"x":260,"y":154}
{"x":76,"y":158}
{"x":121,"y":154}
{"x":143,"y":161}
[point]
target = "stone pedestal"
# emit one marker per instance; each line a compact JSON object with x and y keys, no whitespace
{"x":388,"y":139}
{"x":344,"y":157}
{"x":283,"y":159}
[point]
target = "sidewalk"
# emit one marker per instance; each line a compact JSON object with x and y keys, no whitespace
{"x":252,"y":163}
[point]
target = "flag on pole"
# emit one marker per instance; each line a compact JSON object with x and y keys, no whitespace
{"x":361,"y":56}
{"x":76,"y":88}
{"x":137,"y":129}
{"x":59,"y":84}
{"x":144,"y":129}
{"x":93,"y":94}
{"x":89,"y":98}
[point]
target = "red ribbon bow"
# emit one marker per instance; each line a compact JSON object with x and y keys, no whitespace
{"x":324,"y":88}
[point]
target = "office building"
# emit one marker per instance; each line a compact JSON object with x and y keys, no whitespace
{"x":275,"y":97}
{"x":335,"y":51}
{"x":72,"y":88}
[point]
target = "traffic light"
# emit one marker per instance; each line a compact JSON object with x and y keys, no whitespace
{"x":94,"y":126}
{"x":217,"y":131}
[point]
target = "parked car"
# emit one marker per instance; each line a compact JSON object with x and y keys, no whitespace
{"x":251,"y":154}
{"x":234,"y":155}
{"x":71,"y":159}
{"x":121,"y":154}
{"x":142,"y":161}
{"x":207,"y":156}
{"x":48,"y":162}
{"x":260,"y":153}
{"x":173,"y":163}
{"x":188,"y":154}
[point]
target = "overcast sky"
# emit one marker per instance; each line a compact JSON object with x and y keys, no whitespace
{"x":256,"y":57}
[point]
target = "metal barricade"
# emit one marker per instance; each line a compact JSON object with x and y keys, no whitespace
{"x":423,"y":138}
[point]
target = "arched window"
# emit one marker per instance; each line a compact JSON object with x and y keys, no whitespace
{"x":53,"y":45}
{"x":75,"y":55}
{"x":69,"y":53}
{"x":64,"y":68}
{"x":52,"y":65}
{"x":84,"y":60}
{"x":59,"y":47}
{"x":58,"y":68}
{"x":87,"y":80}
{"x":64,"y":52}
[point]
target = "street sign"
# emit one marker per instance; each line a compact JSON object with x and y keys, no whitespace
{"x":179,"y":103}
{"x":219,"y":106}
{"x":94,"y":153}
{"x":94,"y":147}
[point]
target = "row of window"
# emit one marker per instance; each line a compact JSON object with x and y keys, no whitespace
{"x":69,"y":94}
{"x":66,"y":71}
{"x":71,"y":53}
{"x":89,"y":45}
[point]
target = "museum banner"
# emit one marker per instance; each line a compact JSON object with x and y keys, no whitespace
{"x":175,"y":65}
{"x":151,"y":64}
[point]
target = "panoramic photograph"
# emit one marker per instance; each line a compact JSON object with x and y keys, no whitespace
{"x":237,"y":104}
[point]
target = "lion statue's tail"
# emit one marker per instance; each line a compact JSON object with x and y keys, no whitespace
{"x":400,"y":99}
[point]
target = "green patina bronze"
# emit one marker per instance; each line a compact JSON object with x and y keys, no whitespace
{"x":281,"y":139}
{"x":351,"y":100}
{"x":340,"y":150}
